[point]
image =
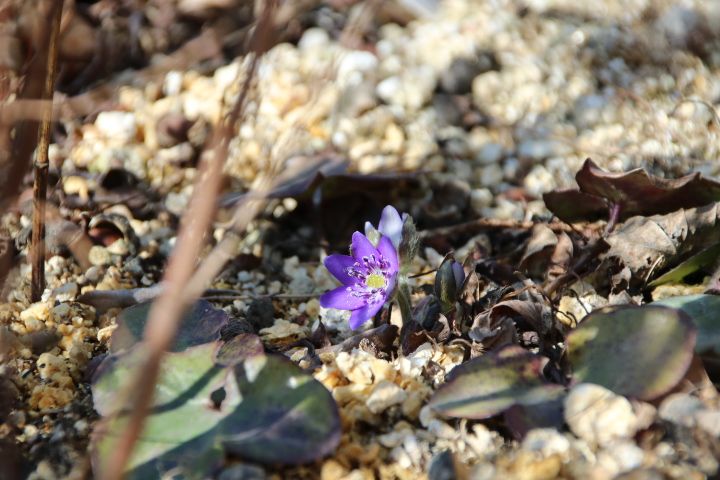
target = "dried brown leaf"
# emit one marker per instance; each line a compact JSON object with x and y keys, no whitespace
{"x":636,"y":193}
{"x":650,"y":245}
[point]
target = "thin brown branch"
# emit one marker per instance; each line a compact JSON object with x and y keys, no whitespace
{"x":167,"y":310}
{"x":37,"y":244}
{"x":491,"y":224}
{"x":276,"y":296}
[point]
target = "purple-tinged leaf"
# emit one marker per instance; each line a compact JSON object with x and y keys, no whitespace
{"x":638,"y":352}
{"x":264,"y":410}
{"x":285,"y":416}
{"x":636,"y":193}
{"x":490,"y":384}
{"x":704,"y":310}
{"x":201,"y":324}
{"x":520,"y":419}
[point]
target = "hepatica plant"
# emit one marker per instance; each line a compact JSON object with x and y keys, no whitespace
{"x":371,"y":275}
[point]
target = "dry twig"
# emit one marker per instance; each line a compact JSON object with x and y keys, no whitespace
{"x":474,"y":226}
{"x":37,"y":245}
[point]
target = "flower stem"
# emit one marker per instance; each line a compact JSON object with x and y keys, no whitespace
{"x":403,"y":298}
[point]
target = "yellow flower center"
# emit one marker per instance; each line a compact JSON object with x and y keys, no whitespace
{"x":375,"y":280}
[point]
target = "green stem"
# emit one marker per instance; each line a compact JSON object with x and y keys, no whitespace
{"x":403,"y":299}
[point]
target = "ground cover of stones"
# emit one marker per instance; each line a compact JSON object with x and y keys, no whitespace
{"x":548,"y":84}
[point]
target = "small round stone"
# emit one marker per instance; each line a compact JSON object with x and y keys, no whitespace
{"x":99,"y":256}
{"x":598,"y":415}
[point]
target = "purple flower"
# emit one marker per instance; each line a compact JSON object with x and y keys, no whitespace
{"x":391,"y":225}
{"x":368,"y":276}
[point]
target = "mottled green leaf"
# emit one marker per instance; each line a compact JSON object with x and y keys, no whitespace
{"x":264,"y":410}
{"x":639,"y":352}
{"x":705,"y":312}
{"x":181,"y":428}
{"x":490,"y":384}
{"x":285,"y":417}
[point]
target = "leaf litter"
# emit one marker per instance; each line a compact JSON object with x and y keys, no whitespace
{"x":492,"y":362}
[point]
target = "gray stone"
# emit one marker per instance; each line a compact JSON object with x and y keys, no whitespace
{"x":680,"y":409}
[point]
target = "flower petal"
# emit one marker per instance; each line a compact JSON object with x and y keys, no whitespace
{"x":337,"y":265}
{"x":361,"y":247}
{"x":362,"y":315}
{"x":388,"y":251}
{"x":341,"y":299}
{"x":371,"y":233}
{"x":391,"y":225}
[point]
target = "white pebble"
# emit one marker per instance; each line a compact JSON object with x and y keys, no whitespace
{"x":598,"y":415}
{"x":547,"y":441}
{"x":117,"y":126}
{"x":384,"y":395}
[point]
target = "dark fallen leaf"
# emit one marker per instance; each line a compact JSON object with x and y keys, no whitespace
{"x":319,"y":337}
{"x":235,"y":326}
{"x":520,"y":419}
{"x":493,"y":333}
{"x":61,"y":236}
{"x":636,"y":193}
{"x":103,"y":300}
{"x":572,"y":205}
{"x":412,"y":335}
{"x":561,"y":258}
{"x":427,"y":311}
{"x":497,"y":271}
{"x":172,"y":128}
{"x":638,"y":352}
{"x":382,"y":337}
{"x":539,"y":249}
{"x":261,"y":313}
{"x":488,"y":385}
{"x":529,"y":314}
{"x":201,"y":324}
{"x":9,"y":397}
{"x":303,"y":175}
{"x":238,"y":349}
{"x":650,"y":245}
{"x":428,"y":324}
{"x":107,"y":228}
{"x":13,"y":463}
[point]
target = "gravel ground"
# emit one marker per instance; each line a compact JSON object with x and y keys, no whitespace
{"x":496,"y":102}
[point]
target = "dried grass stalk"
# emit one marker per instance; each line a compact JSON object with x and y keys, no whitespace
{"x":37,"y":244}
